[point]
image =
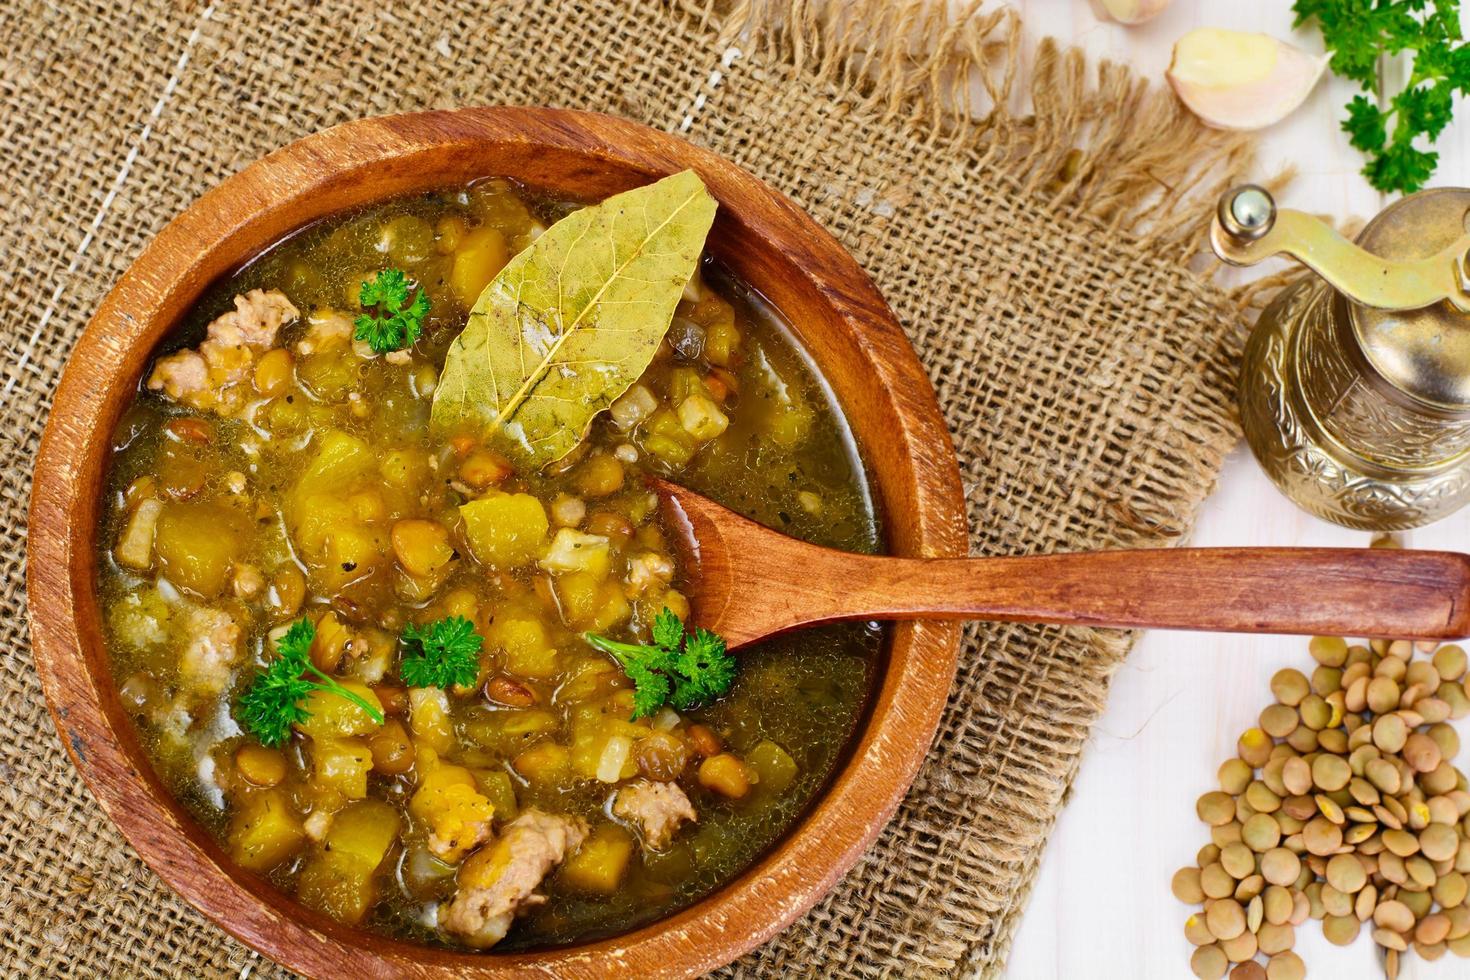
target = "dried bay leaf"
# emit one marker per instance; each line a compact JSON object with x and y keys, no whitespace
{"x":573,"y":320}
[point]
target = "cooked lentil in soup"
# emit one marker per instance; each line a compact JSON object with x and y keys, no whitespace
{"x":277,"y":482}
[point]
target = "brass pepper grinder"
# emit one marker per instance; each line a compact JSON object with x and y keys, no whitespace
{"x":1355,"y":387}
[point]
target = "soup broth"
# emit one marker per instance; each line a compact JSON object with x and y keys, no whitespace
{"x":293,"y":479}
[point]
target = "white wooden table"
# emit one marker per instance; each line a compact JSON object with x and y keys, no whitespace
{"x":1101,"y":908}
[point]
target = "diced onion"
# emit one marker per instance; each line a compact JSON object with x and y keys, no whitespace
{"x":666,"y":719}
{"x":614,"y":757}
{"x":636,"y":404}
{"x":574,"y":551}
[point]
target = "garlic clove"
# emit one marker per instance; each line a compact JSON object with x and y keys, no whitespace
{"x":1129,"y":11}
{"x":1234,"y":80}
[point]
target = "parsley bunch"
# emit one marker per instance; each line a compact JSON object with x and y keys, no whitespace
{"x":679,"y":668}
{"x":443,"y":653}
{"x":397,"y":323}
{"x":271,"y":704}
{"x":1360,"y":33}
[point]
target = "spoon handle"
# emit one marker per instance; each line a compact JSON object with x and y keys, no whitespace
{"x":1350,"y":592}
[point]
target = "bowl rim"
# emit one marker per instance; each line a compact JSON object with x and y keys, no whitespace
{"x":374,"y":159}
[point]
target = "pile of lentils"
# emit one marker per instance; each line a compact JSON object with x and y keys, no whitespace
{"x":1341,"y":806}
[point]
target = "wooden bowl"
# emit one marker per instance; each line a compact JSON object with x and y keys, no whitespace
{"x":766,"y":241}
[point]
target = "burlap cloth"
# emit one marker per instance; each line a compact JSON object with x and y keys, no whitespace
{"x":1038,"y":262}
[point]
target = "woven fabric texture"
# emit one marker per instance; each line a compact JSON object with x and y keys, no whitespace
{"x":1034,"y":239}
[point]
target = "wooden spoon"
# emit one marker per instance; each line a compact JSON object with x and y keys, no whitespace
{"x":746,"y":582}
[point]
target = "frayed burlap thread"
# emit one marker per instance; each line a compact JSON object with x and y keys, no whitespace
{"x":1033,"y":235}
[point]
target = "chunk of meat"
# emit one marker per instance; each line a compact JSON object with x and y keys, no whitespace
{"x":648,"y":570}
{"x":215,"y":377}
{"x":658,"y":809}
{"x":500,"y":880}
{"x":325,"y":329}
{"x":247,"y":581}
{"x":182,"y":376}
{"x":172,"y":718}
{"x":257,"y":317}
{"x":213,"y":651}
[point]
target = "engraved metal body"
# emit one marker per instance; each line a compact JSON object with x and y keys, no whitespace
{"x":1355,"y":387}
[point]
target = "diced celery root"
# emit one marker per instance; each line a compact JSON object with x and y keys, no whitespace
{"x":135,"y":546}
{"x":505,"y":530}
{"x":702,"y":418}
{"x":599,"y":864}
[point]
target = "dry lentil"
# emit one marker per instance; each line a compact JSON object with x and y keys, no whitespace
{"x":1342,"y":805}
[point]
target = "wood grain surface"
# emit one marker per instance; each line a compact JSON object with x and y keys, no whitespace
{"x":764,"y":240}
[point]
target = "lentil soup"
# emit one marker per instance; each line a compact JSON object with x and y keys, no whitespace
{"x":276,"y":483}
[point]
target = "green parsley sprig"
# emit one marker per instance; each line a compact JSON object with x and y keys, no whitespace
{"x":1360,"y":33}
{"x":271,"y":704}
{"x":683,"y":669}
{"x":443,"y":653}
{"x":396,"y":323}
